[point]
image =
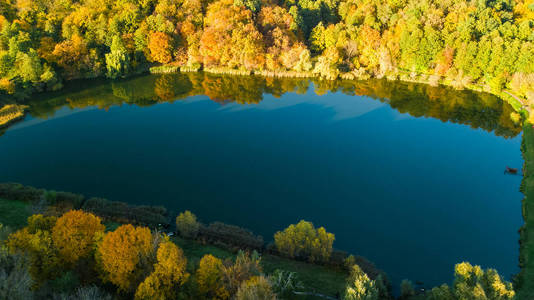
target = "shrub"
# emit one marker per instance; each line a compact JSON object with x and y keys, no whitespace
{"x":15,"y":280}
{"x":304,"y":241}
{"x":285,"y":283}
{"x":65,"y":283}
{"x":15,"y":191}
{"x":245,"y":266}
{"x":187,"y":225}
{"x":210,"y":276}
{"x":360,"y":286}
{"x":515,"y":117}
{"x":169,"y":274}
{"x":257,"y":287}
{"x":35,"y":240}
{"x":471,"y":281}
{"x":84,"y":293}
{"x":69,"y":199}
{"x":123,"y":213}
{"x":407,"y":289}
{"x":231,"y":235}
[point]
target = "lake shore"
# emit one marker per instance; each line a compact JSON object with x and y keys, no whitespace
{"x":526,"y":252}
{"x":520,"y":105}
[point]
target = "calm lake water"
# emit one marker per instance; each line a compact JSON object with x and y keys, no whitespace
{"x":409,"y":176}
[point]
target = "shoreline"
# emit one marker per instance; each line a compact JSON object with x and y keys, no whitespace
{"x":11,"y":113}
{"x":525,"y":278}
{"x":515,"y":101}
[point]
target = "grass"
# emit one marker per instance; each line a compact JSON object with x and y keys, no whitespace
{"x":315,"y":278}
{"x":526,"y":257}
{"x":14,"y":213}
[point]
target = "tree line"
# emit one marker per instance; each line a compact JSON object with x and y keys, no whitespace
{"x":487,"y":43}
{"x":74,"y":256}
{"x":64,"y":252}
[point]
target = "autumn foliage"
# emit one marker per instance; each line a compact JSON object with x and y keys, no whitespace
{"x":168,"y":275}
{"x":303,"y":240}
{"x":74,"y":234}
{"x":159,"y":45}
{"x":210,"y":278}
{"x":120,"y":253}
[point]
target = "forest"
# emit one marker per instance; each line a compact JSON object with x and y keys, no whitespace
{"x":483,"y":44}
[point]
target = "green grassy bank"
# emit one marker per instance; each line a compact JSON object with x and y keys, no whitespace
{"x":319,"y":279}
{"x":526,"y":256}
{"x":14,"y":213}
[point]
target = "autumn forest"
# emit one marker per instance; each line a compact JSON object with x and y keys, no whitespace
{"x":476,"y":44}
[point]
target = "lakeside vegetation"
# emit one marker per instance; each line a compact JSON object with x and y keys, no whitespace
{"x":64,"y":253}
{"x":484,"y":45}
{"x":477,"y":110}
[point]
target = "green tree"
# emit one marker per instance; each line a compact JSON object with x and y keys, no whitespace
{"x":117,"y":60}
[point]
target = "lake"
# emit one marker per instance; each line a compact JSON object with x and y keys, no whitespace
{"x":407,"y":175}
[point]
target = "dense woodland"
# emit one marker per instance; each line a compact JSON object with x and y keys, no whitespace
{"x":463,"y":43}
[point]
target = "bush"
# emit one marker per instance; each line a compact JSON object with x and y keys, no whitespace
{"x":85,"y":293}
{"x":360,"y":286}
{"x":407,"y":289}
{"x":123,"y":213}
{"x":187,"y":225}
{"x":245,"y":266}
{"x":285,"y":283}
{"x":257,"y":287}
{"x":15,"y":280}
{"x":241,"y":238}
{"x":16,"y":191}
{"x":66,"y":198}
{"x":304,"y":241}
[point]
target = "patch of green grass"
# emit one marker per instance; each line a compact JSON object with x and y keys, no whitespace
{"x":14,"y":213}
{"x":111,"y":226}
{"x":319,"y":279}
{"x":315,"y":278}
{"x":526,"y":277}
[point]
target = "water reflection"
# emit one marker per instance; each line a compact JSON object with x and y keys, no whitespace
{"x":477,"y":110}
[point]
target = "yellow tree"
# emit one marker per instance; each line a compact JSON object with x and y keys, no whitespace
{"x":120,"y":253}
{"x":210,"y":276}
{"x":169,"y":273}
{"x":187,"y":224}
{"x":36,"y":241}
{"x":74,"y":234}
{"x":305,"y":241}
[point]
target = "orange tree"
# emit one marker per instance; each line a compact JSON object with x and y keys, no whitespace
{"x":159,"y":44}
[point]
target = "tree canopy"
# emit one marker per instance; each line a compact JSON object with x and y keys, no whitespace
{"x":463,"y":43}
